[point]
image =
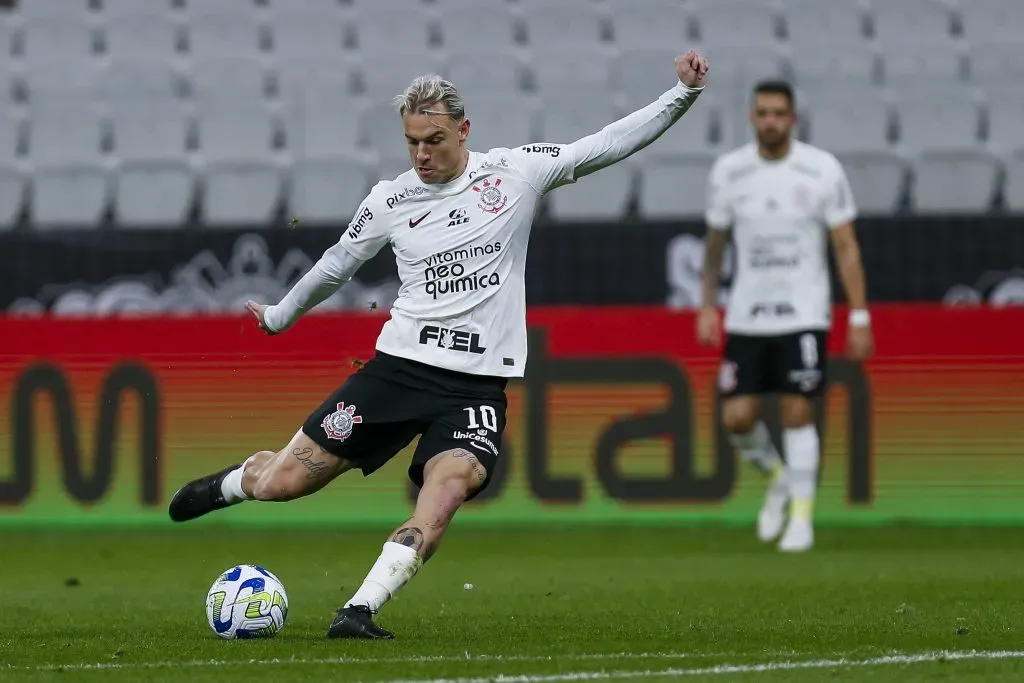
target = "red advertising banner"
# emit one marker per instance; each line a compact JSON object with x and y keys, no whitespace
{"x":105,"y":418}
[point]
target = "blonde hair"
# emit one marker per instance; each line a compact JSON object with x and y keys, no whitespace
{"x":427,"y":91}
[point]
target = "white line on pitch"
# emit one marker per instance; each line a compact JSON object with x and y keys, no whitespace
{"x":721,"y":669}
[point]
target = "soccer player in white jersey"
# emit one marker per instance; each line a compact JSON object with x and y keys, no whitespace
{"x":778,"y":198}
{"x":458,"y":223}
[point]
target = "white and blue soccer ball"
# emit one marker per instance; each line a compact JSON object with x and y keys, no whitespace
{"x":246,"y":601}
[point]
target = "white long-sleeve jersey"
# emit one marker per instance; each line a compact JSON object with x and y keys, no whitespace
{"x":461,"y":246}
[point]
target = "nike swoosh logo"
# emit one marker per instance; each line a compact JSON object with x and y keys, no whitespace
{"x":414,"y":223}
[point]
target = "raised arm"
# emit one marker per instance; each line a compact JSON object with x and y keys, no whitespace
{"x":632,"y":133}
{"x":548,"y":166}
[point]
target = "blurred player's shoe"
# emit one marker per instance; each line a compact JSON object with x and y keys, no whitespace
{"x":799,"y":535}
{"x":200,"y":496}
{"x":772,"y":517}
{"x":356,"y":621}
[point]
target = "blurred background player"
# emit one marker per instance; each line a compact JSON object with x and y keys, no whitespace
{"x":778,"y":197}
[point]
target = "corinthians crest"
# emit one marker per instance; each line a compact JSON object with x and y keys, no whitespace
{"x":492,"y":199}
{"x":338,"y":425}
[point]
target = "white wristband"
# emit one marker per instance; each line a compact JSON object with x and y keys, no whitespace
{"x":859,"y":317}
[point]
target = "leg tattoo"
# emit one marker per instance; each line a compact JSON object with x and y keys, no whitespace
{"x":410,"y":536}
{"x":317,"y":470}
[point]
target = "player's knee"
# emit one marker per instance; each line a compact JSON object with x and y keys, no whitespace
{"x":795,"y":412}
{"x":279,"y":482}
{"x":738,"y":417}
{"x":456,"y":475}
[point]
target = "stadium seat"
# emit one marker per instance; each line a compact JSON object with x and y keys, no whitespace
{"x":298,"y":76}
{"x":560,"y":26}
{"x":1006,"y":121}
{"x":238,"y":8}
{"x":485,"y":72}
{"x":322,"y":124}
{"x":815,"y":71}
{"x":917,"y":64}
{"x":600,"y":196}
{"x":572,"y":68}
{"x":648,"y":23}
{"x":837,"y":25}
{"x":242,"y":180}
{"x":736,"y":69}
{"x":223,"y":35}
{"x":57,"y":39}
{"x":877,"y":180}
{"x":500,"y":121}
{"x":154,"y":184}
{"x":642,"y":74}
{"x":218,"y":76}
{"x":109,"y":9}
{"x":674,"y":188}
{"x":152,"y":78}
{"x":849,"y":122}
{"x":70,"y":182}
{"x":986,"y":21}
{"x":565,"y":119}
{"x":305,"y":35}
{"x":49,"y":9}
{"x":954,"y":181}
{"x":1013,"y":190}
{"x":386,"y":75}
{"x":327,"y":190}
{"x":380,"y":128}
{"x":911,"y":21}
{"x":724,"y":23}
{"x":325,"y":9}
{"x":377,"y":31}
{"x":997,"y":65}
{"x":930,"y":119}
{"x":478,"y":27}
{"x":142,"y":36}
{"x":63,"y":81}
{"x":12,"y":182}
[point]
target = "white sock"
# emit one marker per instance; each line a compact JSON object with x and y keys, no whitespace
{"x":392,"y":570}
{"x":756,"y":447}
{"x":231,"y":487}
{"x":802,"y":456}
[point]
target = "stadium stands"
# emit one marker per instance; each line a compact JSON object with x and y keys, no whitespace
{"x":156,"y":112}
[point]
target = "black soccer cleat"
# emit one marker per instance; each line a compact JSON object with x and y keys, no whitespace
{"x":199,"y":497}
{"x":356,"y":622}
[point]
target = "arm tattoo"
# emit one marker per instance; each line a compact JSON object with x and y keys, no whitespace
{"x":409,"y":536}
{"x":478,"y":470}
{"x":317,"y":470}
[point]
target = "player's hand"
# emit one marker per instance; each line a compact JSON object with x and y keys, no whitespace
{"x":259,"y":311}
{"x":692,"y":69}
{"x":860,"y":342}
{"x":709,"y":327}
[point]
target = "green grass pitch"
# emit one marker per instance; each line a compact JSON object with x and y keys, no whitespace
{"x":547,"y":605}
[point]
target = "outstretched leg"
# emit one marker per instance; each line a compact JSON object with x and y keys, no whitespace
{"x":300,"y":468}
{"x":449,"y":478}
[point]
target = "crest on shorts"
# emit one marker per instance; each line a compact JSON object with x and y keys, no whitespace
{"x":338,"y":425}
{"x":492,"y":199}
{"x":727,"y":376}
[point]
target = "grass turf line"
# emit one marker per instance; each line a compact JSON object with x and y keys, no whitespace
{"x":708,"y":597}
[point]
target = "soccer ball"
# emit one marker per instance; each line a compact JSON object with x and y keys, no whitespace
{"x":246,"y":602}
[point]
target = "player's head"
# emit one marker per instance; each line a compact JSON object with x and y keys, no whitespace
{"x":773,"y":113}
{"x":436,"y":127}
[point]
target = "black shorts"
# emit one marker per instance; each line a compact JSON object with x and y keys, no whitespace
{"x":783,"y":364}
{"x":382,"y":407}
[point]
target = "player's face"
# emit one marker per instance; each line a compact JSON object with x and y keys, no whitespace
{"x":773,"y":118}
{"x":436,"y":145}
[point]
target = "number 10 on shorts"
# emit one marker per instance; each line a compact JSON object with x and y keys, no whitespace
{"x":488,"y":418}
